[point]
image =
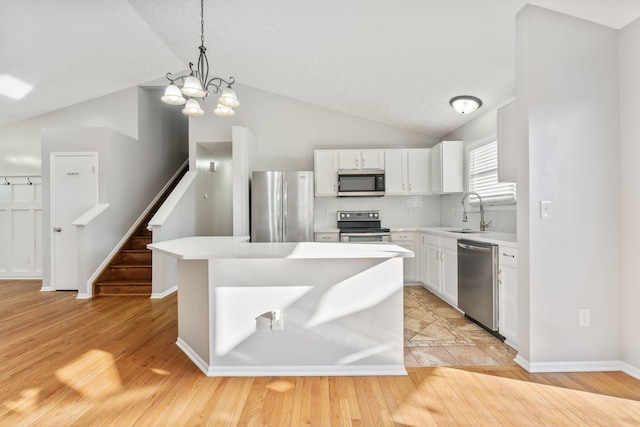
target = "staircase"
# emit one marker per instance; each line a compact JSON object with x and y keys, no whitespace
{"x":129,"y":272}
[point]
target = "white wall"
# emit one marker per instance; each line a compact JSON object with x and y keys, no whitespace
{"x":630,"y":188}
{"x":289,"y":130}
{"x":131,"y":171}
{"x":503,"y":217}
{"x":567,"y":87}
{"x":20,"y":142}
{"x":215,"y":217}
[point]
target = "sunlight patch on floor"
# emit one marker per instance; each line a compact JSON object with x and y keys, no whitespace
{"x":93,"y":375}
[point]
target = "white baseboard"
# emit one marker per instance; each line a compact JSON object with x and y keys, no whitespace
{"x":630,"y":370}
{"x":594,"y":366}
{"x":83,"y":296}
{"x":164,"y":294}
{"x":291,"y":371}
{"x":46,"y":289}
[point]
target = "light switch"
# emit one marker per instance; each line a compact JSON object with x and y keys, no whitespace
{"x":545,"y":209}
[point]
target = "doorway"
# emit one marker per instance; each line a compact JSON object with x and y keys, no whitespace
{"x":74,"y":190}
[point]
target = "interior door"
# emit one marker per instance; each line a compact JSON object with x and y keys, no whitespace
{"x":74,"y":190}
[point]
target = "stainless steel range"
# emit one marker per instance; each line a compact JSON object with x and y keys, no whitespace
{"x":362,"y":226}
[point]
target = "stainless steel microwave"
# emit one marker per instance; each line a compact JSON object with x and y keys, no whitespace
{"x":361,"y":183}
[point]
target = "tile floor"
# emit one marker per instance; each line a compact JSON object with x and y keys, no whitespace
{"x":435,"y":334}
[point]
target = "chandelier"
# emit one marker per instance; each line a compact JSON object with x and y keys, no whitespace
{"x":198,"y":85}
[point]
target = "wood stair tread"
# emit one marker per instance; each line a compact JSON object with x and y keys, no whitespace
{"x":132,"y":282}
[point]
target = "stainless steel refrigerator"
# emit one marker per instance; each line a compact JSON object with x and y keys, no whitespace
{"x":282,"y":206}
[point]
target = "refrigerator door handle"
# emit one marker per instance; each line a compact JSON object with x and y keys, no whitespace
{"x":285,"y":209}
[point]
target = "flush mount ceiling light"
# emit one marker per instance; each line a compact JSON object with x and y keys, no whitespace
{"x":198,"y":85}
{"x":465,"y":104}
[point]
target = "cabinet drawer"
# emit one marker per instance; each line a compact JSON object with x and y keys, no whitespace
{"x":449,"y":243}
{"x":402,"y":236}
{"x":327,"y":237}
{"x":508,"y":256}
{"x":433,"y":239}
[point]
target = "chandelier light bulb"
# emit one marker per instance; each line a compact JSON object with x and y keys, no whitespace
{"x":192,"y":109}
{"x":193,"y":88}
{"x":224,"y":110}
{"x":173,"y":96}
{"x":229,"y":98}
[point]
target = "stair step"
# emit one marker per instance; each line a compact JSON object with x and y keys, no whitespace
{"x":138,"y":242}
{"x":133,"y":257}
{"x":123,"y":287}
{"x":130,"y":272}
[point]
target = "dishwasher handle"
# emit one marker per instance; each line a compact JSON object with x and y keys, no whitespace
{"x":474,"y":248}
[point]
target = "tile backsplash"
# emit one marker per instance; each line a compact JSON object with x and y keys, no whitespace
{"x":395,"y":211}
{"x":412,"y":211}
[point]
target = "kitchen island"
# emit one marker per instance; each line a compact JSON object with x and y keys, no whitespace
{"x":256,"y":309}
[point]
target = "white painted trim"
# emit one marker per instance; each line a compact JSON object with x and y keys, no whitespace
{"x":524,"y":363}
{"x":195,"y":358}
{"x":576,"y":366}
{"x":293,"y":371}
{"x":630,"y":370}
{"x":164,"y":294}
{"x":172,"y":201}
{"x":84,"y":296}
{"x":161,"y":192}
{"x":46,"y":289}
{"x":86,"y":218}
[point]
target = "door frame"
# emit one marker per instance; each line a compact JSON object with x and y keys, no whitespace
{"x":52,"y":174}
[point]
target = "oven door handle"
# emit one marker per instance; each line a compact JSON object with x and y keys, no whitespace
{"x":365,"y":234}
{"x":474,"y":248}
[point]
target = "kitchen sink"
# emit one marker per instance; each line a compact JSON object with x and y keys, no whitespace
{"x":464,"y":230}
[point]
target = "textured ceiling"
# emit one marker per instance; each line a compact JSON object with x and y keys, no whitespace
{"x":393,"y":62}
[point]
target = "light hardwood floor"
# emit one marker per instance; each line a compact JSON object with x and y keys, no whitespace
{"x":114,"y":362}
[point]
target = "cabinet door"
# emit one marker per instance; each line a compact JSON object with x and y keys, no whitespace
{"x":395,"y":172}
{"x":449,"y":259}
{"x":418,"y":171}
{"x":436,"y":168}
{"x":433,"y":269}
{"x":326,"y":173}
{"x":372,"y":159}
{"x":409,"y":269}
{"x":508,"y":308}
{"x":349,"y":159}
{"x":421,"y":258}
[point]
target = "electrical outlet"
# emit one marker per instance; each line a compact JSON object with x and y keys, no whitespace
{"x":277,"y":322}
{"x":584,"y":317}
{"x":545,"y":209}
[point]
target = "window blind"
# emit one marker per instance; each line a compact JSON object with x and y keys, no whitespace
{"x":483,"y":177}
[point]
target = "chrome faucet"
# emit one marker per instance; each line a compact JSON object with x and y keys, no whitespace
{"x":465,"y":218}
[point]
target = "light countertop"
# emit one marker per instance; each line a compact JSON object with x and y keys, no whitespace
{"x":219,"y":247}
{"x":494,"y":237}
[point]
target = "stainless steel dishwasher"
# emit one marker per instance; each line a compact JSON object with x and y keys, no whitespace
{"x":478,"y":282}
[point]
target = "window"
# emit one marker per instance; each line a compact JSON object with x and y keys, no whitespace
{"x":483,"y":177}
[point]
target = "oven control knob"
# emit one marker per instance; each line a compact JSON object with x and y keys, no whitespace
{"x":370,"y":215}
{"x":375,"y":214}
{"x":348,"y":215}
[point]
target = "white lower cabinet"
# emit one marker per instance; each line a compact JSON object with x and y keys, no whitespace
{"x":441,"y":267}
{"x":406,"y":239}
{"x":449,"y":260}
{"x":508,"y":295}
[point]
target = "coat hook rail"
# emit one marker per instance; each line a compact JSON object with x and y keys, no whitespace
{"x":7,"y":182}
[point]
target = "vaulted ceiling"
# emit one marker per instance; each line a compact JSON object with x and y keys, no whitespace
{"x":394,"y":62}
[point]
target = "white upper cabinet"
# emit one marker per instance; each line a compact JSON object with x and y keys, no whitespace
{"x":507,"y":142}
{"x":406,"y":171}
{"x":418,"y":171}
{"x":360,"y":159}
{"x":447,"y":167}
{"x":395,"y":174}
{"x":325,"y":167}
